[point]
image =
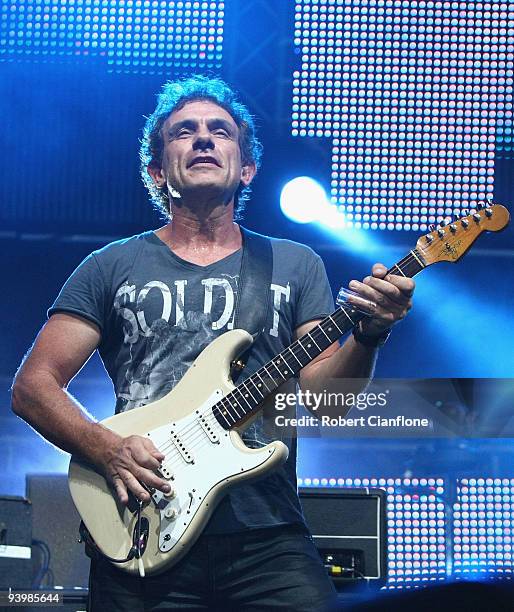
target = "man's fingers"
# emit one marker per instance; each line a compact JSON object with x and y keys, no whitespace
{"x":405,"y":285}
{"x":133,"y":467}
{"x":135,"y":487}
{"x":142,"y":457}
{"x":379,"y":291}
{"x":120,"y":488}
{"x":150,"y":479}
{"x":133,"y":481}
{"x":149,"y":445}
{"x":391,"y":293}
{"x":396,"y":288}
{"x":379,"y":270}
{"x":362,"y":304}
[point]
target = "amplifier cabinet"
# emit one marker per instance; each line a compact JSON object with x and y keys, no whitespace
{"x":349,"y":529}
{"x":15,"y":542}
{"x":56,"y":525}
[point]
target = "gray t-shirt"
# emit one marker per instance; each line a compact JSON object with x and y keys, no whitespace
{"x":157,"y":312}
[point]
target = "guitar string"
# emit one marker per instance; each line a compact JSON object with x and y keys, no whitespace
{"x":209,"y":413}
{"x":177,"y":459}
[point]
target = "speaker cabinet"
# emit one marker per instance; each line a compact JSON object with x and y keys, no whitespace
{"x":349,"y":530}
{"x":15,"y":541}
{"x":55,"y":524}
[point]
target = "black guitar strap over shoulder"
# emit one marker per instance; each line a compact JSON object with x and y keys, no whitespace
{"x":253,"y":292}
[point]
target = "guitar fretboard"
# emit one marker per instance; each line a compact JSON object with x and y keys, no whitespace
{"x":250,"y":394}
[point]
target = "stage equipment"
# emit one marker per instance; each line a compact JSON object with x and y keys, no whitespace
{"x":58,"y":558}
{"x":349,"y":529}
{"x":15,"y":539}
{"x":89,"y":35}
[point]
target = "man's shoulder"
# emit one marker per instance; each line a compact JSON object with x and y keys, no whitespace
{"x":295,"y":254}
{"x":283,"y":247}
{"x":123,"y":247}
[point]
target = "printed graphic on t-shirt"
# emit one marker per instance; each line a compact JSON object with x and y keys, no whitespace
{"x":166,"y":327}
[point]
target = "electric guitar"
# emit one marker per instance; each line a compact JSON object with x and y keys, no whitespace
{"x":197,"y":425}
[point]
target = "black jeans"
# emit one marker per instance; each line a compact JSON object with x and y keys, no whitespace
{"x":260,"y":571}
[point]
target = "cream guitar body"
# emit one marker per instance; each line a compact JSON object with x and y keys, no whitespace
{"x":202,"y":461}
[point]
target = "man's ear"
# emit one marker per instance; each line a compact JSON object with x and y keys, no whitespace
{"x":155,"y":171}
{"x":248,"y":171}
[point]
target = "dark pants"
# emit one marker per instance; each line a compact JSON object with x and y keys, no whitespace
{"x":261,"y":570}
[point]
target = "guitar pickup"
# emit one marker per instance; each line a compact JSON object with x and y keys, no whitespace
{"x":181,"y":447}
{"x":208,"y":429}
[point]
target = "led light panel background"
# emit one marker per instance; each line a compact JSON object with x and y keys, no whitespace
{"x":483,"y":520}
{"x":133,"y":35}
{"x":433,"y":536}
{"x":410,"y":93}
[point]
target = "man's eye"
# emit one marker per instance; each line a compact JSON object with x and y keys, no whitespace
{"x":221,"y":132}
{"x":182,"y":133}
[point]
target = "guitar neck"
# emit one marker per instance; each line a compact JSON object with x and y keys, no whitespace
{"x":248,"y":397}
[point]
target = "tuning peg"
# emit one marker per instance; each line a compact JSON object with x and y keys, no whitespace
{"x":429,"y":238}
{"x":476,"y":217}
{"x":464,"y":223}
{"x":440,"y":232}
{"x":442,"y":223}
{"x":488,"y":212}
{"x":453,"y":228}
{"x":431,"y":227}
{"x":480,"y":206}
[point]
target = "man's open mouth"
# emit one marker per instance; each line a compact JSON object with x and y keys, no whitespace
{"x":203,"y":160}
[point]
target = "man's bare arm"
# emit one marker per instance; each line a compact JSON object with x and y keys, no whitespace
{"x":39,"y":396}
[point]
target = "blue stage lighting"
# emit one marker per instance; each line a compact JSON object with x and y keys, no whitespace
{"x":303,"y":200}
{"x":388,"y":82}
{"x":138,"y":35}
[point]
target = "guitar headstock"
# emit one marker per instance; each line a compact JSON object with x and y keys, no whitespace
{"x":449,"y":242}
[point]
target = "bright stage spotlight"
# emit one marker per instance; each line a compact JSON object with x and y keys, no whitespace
{"x":303,"y":200}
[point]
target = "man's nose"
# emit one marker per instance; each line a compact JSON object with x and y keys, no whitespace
{"x":203,"y":142}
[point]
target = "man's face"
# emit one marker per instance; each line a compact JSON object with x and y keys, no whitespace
{"x":201,"y":153}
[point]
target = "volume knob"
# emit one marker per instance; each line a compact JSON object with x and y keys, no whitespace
{"x":170,"y":513}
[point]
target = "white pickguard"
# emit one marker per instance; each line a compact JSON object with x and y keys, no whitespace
{"x":200,"y":454}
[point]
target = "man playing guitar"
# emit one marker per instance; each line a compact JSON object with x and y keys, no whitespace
{"x":150,"y":304}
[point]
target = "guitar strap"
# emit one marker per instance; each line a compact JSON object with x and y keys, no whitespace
{"x":253,"y":293}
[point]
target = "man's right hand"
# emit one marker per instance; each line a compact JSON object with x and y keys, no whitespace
{"x":130,"y":464}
